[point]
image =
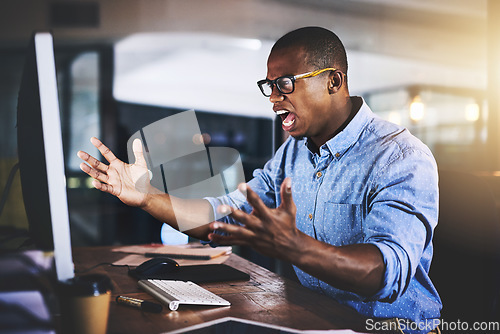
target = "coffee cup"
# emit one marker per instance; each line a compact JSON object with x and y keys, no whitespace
{"x":84,"y":304}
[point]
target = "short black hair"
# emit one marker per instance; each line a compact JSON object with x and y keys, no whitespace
{"x":322,"y":46}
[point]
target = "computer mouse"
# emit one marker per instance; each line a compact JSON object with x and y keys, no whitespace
{"x":157,"y":266}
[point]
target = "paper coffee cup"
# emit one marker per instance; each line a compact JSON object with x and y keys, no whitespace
{"x":84,"y":304}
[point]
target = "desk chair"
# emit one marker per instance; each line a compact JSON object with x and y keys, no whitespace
{"x":465,"y":268}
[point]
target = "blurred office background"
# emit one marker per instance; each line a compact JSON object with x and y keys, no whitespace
{"x":429,"y":65}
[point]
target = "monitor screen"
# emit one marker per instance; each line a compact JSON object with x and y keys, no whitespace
{"x":41,"y":158}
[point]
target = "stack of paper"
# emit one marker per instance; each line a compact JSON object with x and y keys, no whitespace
{"x":189,"y":254}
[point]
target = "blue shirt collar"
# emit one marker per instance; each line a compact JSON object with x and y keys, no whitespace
{"x":339,"y":144}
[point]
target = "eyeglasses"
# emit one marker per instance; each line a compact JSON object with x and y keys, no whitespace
{"x":286,"y":84}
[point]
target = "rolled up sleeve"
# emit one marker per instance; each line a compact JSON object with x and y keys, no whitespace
{"x":401,"y":216}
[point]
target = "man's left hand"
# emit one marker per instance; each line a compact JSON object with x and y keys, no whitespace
{"x":271,"y":232}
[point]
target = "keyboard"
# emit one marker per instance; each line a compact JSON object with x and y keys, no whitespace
{"x":174,"y":293}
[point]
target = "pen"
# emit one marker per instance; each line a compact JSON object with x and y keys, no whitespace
{"x":140,"y":304}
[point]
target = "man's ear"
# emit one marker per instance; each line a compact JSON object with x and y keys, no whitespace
{"x":335,"y":82}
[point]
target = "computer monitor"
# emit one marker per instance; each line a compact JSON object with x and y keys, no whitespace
{"x":41,"y":158}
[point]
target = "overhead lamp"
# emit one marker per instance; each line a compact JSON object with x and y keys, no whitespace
{"x":417,"y":109}
{"x":472,"y":112}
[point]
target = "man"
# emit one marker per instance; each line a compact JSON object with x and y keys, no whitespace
{"x":349,"y":199}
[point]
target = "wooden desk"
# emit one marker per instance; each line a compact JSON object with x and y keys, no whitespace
{"x":266,"y":297}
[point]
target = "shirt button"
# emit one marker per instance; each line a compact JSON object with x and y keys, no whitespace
{"x":319,"y":174}
{"x":337,"y":154}
{"x":310,"y":216}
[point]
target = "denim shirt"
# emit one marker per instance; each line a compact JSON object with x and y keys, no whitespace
{"x":373,"y":183}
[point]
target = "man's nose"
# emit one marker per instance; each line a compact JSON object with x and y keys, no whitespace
{"x":276,"y":95}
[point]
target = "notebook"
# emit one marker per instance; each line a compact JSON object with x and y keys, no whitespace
{"x":199,"y":274}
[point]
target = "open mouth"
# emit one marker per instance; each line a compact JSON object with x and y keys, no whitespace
{"x":287,"y":118}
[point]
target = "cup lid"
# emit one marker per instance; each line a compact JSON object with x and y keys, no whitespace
{"x":86,"y":285}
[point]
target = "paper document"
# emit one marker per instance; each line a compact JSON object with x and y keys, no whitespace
{"x":185,"y":252}
{"x":137,"y":259}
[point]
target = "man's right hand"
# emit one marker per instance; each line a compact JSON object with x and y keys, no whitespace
{"x":130,"y":183}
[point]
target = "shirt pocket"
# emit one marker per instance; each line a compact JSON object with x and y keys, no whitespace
{"x":342,"y":224}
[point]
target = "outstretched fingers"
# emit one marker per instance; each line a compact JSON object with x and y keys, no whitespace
{"x":259,"y":208}
{"x":250,"y":221}
{"x":103,"y":187}
{"x":105,"y":151}
{"x":93,"y":167}
{"x":93,"y":162}
{"x":95,"y":174}
{"x":232,"y":234}
{"x":138,"y":153}
{"x":287,"y":203}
